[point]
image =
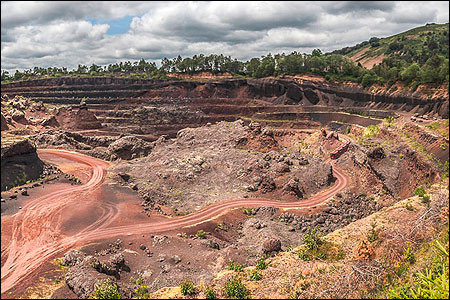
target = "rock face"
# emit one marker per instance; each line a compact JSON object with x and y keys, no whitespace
{"x":4,"y":123}
{"x":85,"y":271}
{"x":82,"y":278}
{"x":80,"y":118}
{"x":19,"y":163}
{"x":129,"y":147}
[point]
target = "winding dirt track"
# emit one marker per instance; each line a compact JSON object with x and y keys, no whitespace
{"x":36,"y":229}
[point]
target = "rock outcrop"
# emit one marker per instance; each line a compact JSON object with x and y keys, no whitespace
{"x":19,"y":163}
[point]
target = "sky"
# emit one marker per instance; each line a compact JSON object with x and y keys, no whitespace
{"x":68,"y":33}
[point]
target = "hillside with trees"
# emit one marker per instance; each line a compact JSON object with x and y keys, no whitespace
{"x":418,"y":56}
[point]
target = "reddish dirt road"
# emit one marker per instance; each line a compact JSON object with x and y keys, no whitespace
{"x":36,"y":229}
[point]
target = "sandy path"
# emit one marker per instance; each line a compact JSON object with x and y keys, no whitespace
{"x":36,"y":229}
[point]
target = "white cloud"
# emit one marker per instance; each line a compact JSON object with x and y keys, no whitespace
{"x":63,"y":34}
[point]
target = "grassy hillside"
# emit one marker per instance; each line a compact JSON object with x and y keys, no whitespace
{"x":416,"y":45}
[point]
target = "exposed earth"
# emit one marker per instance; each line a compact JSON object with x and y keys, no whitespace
{"x":149,"y":183}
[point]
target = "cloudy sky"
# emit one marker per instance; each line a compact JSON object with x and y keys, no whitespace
{"x":59,"y":33}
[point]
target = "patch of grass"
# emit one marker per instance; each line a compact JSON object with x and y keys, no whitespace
{"x":315,"y":247}
{"x":430,"y":283}
{"x":235,"y":289}
{"x":209,"y":293}
{"x":235,"y":266}
{"x":420,"y":191}
{"x":106,"y":290}
{"x":187,"y":287}
{"x":255,"y":276}
{"x":433,"y":126}
{"x":261,"y":264}
{"x":409,"y":256}
{"x":371,"y":131}
{"x":201,"y":234}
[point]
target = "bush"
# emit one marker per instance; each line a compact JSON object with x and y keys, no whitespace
{"x":303,"y":255}
{"x":312,"y":238}
{"x":261,"y":264}
{"x":255,"y":276}
{"x":235,"y":266}
{"x":201,"y":234}
{"x":187,"y":287}
{"x":210,"y":294}
{"x":106,"y":290}
{"x":426,"y":199}
{"x":372,"y":235}
{"x":420,"y":191}
{"x":235,"y":289}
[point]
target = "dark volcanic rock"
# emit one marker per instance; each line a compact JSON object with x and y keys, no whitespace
{"x":129,"y":147}
{"x":271,"y":245}
{"x":73,"y":257}
{"x":4,"y":123}
{"x":376,"y":153}
{"x":19,"y":163}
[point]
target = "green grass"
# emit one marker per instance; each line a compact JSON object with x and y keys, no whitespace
{"x":106,"y":290}
{"x":209,"y":293}
{"x":255,"y":276}
{"x":187,"y":287}
{"x":235,"y":266}
{"x":432,"y":281}
{"x":201,"y":234}
{"x":316,"y":247}
{"x":261,"y":264}
{"x":235,"y":289}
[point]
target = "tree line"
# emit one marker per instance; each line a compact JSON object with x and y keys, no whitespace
{"x":333,"y":66}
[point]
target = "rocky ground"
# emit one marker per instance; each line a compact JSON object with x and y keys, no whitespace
{"x":233,"y":160}
{"x":227,"y":160}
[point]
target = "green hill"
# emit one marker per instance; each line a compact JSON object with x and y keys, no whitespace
{"x":416,"y":45}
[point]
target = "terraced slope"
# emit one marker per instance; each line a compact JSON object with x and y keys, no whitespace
{"x":150,"y":108}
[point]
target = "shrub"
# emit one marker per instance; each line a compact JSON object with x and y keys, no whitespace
{"x":372,"y":235}
{"x":235,"y":289}
{"x":426,"y":199}
{"x":209,"y":293}
{"x":261,"y":264}
{"x":420,"y":191}
{"x":142,"y":292}
{"x":235,"y":266}
{"x":187,"y":287}
{"x":106,"y":290}
{"x":201,"y":234}
{"x":312,"y":238}
{"x":255,"y":276}
{"x":303,"y":255}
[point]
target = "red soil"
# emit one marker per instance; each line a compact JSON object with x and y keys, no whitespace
{"x":51,"y":224}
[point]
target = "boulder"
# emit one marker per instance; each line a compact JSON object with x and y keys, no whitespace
{"x":376,"y":153}
{"x":271,"y":245}
{"x":73,"y":257}
{"x":126,"y":146}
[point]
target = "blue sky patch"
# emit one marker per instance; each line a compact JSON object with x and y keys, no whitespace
{"x":116,"y":26}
